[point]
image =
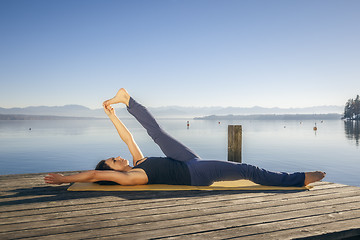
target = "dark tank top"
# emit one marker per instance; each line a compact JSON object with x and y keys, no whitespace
{"x":161,"y":170}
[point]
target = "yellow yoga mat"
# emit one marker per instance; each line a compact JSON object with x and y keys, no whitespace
{"x":226,"y":185}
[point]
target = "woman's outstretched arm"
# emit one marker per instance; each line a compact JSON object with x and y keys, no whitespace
{"x":56,"y":178}
{"x":124,"y":134}
{"x":122,"y":178}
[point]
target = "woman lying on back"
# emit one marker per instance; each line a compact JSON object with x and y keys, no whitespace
{"x":181,"y":166}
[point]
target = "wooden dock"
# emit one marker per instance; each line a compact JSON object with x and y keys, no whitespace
{"x":30,"y":209}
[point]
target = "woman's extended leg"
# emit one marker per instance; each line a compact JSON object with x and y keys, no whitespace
{"x":206,"y":172}
{"x":170,"y":146}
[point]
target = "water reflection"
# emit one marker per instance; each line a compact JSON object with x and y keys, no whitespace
{"x":352,"y":131}
{"x":78,"y":145}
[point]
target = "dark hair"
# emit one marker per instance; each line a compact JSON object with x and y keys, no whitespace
{"x":103,"y":166}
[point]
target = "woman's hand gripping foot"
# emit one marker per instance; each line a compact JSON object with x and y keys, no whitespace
{"x":122,"y":96}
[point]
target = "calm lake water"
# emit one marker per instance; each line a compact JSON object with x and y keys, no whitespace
{"x":67,"y":145}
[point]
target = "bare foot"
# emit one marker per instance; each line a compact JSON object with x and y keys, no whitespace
{"x":311,"y":177}
{"x":122,"y":96}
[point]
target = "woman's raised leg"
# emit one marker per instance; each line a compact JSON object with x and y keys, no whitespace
{"x":169,"y":146}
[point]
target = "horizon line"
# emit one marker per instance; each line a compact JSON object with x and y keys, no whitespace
{"x":169,"y":106}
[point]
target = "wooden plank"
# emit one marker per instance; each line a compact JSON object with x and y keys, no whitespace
{"x":198,"y":217}
{"x":157,"y":214}
{"x":326,"y":231}
{"x":102,"y":206}
{"x":246,"y":225}
{"x":75,"y":205}
{"x":318,"y":229}
{"x":146,"y":219}
{"x":194,"y":198}
{"x":36,"y":210}
{"x":80,"y":203}
{"x":94,"y":197}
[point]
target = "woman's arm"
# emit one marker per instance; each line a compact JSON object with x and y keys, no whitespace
{"x":55,"y":178}
{"x":123,"y":178}
{"x":124,"y":134}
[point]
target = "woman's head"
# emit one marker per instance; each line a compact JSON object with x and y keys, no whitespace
{"x":117,"y":164}
{"x":114,"y":164}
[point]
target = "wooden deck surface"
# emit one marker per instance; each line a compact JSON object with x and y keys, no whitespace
{"x":30,"y":209}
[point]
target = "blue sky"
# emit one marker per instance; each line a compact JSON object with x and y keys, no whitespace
{"x":189,"y":53}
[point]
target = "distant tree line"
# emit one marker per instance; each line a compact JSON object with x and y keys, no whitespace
{"x":352,"y":109}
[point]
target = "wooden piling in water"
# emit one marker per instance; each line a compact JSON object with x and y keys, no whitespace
{"x":234,"y":143}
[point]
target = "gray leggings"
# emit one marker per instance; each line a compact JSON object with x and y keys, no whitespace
{"x":205,"y":172}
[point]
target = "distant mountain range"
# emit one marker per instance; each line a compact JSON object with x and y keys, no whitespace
{"x":167,"y":112}
{"x":41,"y":117}
{"x":326,"y":116}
